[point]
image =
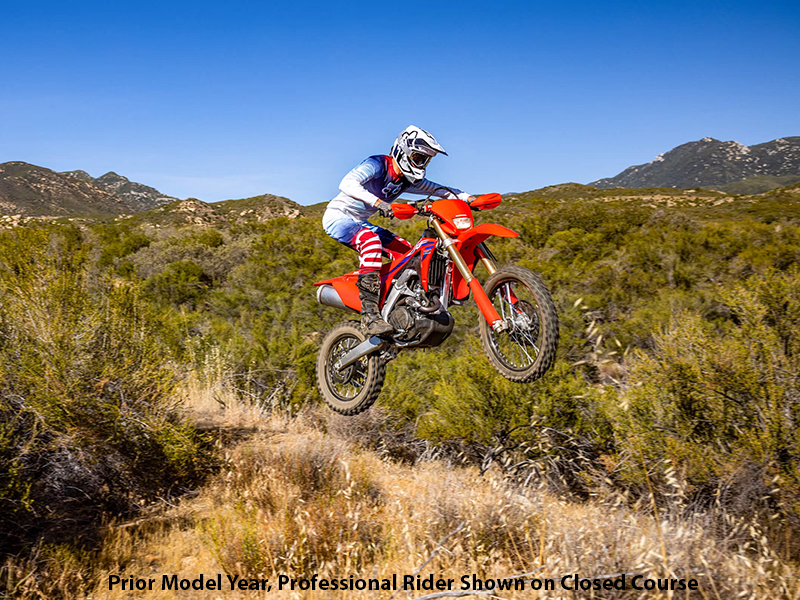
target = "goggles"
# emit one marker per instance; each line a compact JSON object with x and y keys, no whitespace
{"x":419,"y":159}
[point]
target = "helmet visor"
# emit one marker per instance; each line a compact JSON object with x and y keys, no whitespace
{"x":419,"y":159}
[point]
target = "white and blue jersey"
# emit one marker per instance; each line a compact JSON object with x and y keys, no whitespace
{"x":374,"y":180}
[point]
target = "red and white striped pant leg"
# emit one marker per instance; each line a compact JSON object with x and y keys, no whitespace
{"x":368,"y":245}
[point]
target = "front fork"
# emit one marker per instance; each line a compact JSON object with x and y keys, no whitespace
{"x":481,"y":299}
{"x":487,"y":260}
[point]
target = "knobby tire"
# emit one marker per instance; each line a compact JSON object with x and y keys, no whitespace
{"x":546,"y":332}
{"x":367,"y":373}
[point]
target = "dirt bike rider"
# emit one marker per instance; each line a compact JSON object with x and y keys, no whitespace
{"x":370,"y":188}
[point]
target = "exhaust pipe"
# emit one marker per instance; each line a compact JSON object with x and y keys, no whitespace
{"x":327,"y":295}
{"x":368,"y":346}
{"x":435,"y":305}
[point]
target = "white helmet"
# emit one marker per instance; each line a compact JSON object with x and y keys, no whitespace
{"x":413,"y":150}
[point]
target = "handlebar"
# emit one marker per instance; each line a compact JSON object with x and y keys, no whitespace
{"x":479,"y":203}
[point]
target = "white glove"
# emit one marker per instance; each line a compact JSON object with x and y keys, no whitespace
{"x":466,"y":197}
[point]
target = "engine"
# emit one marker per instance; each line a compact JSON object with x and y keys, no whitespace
{"x":419,"y":321}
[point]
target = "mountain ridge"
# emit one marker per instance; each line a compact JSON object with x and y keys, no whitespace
{"x":33,"y":191}
{"x":711,"y":163}
{"x":142,"y":197}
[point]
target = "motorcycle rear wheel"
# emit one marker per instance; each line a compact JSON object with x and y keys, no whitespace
{"x":527,"y":349}
{"x":355,"y":388}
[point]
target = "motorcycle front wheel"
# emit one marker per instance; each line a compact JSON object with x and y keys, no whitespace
{"x":527,"y":347}
{"x":355,"y":388}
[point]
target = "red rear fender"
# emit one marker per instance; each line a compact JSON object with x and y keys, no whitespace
{"x":345,"y":277}
{"x":345,"y":286}
{"x":348,"y":292}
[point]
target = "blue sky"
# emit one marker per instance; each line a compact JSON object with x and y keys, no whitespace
{"x":233,"y":99}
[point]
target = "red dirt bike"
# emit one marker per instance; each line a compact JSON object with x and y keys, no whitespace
{"x":519,"y":328}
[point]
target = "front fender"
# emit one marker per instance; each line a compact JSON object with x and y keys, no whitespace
{"x":466,"y":243}
{"x":483,"y":231}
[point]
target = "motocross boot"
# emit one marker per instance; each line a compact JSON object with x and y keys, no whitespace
{"x":369,"y":289}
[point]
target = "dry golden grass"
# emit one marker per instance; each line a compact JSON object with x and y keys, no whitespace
{"x":298,"y":496}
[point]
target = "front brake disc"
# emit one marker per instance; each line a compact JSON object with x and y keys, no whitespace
{"x":532,"y":327}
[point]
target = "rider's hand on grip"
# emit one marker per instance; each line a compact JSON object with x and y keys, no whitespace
{"x":466,"y":197}
{"x":385,"y":208}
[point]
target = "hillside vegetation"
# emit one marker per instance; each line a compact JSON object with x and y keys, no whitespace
{"x":675,"y":391}
{"x":760,"y":184}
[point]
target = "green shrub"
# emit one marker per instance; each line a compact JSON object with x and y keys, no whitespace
{"x":118,"y":241}
{"x":720,"y":400}
{"x":183,"y":282}
{"x":88,"y":422}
